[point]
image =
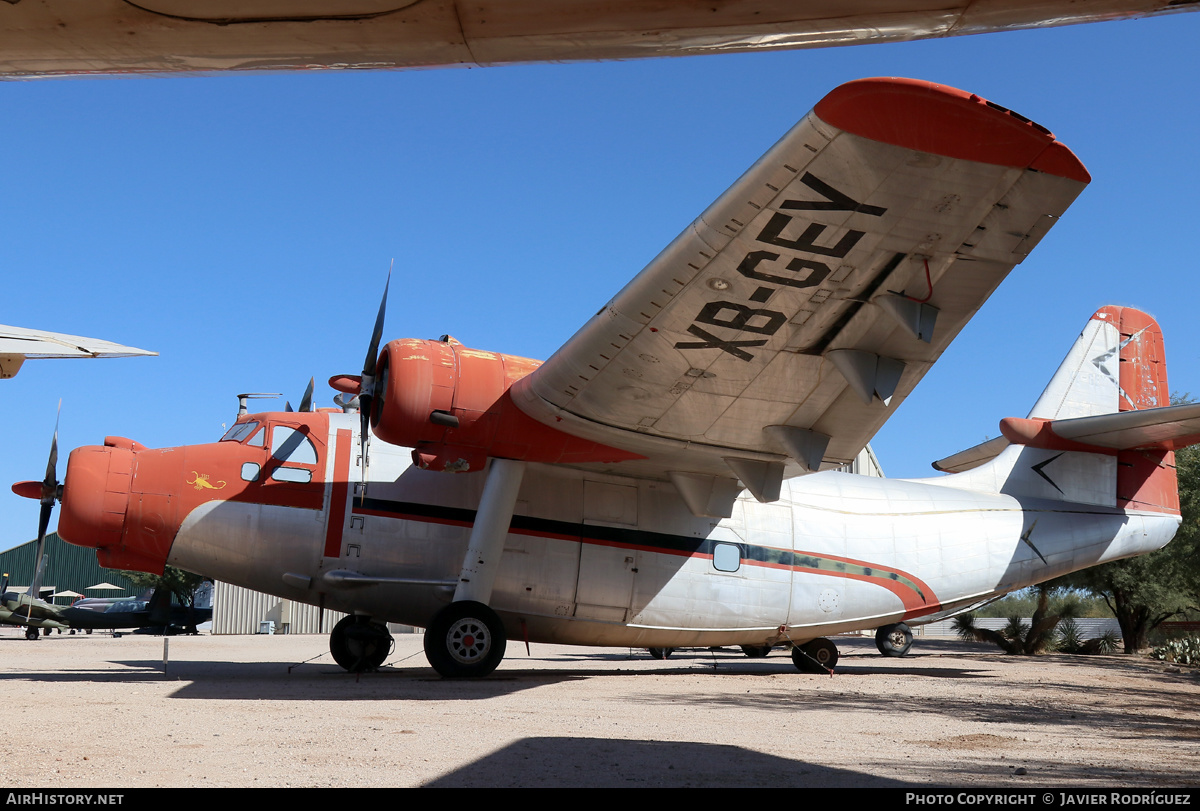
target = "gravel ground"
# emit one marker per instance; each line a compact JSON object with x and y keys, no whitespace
{"x":94,"y":711}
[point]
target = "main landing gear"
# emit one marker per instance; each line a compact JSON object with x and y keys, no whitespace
{"x":465,"y":640}
{"x":894,"y":640}
{"x":31,"y":633}
{"x":360,"y":644}
{"x":817,"y":656}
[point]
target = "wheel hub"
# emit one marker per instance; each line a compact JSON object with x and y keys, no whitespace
{"x":468,"y":640}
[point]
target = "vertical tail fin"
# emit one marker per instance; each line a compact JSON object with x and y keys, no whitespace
{"x":1116,"y":365}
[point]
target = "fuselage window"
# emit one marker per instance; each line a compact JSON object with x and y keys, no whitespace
{"x":250,"y":472}
{"x":289,"y":445}
{"x":727,"y":557}
{"x":292,"y":474}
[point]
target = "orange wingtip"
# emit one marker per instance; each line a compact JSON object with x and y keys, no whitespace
{"x":942,"y":120}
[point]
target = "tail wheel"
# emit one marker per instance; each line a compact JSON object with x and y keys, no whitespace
{"x":894,"y":640}
{"x":660,"y":653}
{"x":465,"y":640}
{"x":817,"y":656}
{"x":756,"y":651}
{"x":360,"y":644}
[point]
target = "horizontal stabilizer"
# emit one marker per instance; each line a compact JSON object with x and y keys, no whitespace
{"x":971,"y":458}
{"x":1168,"y":429}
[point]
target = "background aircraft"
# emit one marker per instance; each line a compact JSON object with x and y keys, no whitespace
{"x":18,"y":345}
{"x":642,"y":486}
{"x":35,"y":614}
{"x":160,"y":36}
{"x":163,"y":203}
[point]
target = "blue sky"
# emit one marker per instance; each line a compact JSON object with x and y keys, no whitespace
{"x":242,"y":226}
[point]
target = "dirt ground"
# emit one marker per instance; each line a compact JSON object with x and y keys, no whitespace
{"x":94,"y":711}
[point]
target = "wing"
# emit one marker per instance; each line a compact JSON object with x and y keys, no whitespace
{"x":17,"y":345}
{"x":782,"y":328}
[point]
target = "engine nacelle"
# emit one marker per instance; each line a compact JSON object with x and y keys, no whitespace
{"x":451,"y":405}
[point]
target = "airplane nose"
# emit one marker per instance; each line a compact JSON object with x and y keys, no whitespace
{"x":117,"y":500}
{"x":96,"y":496}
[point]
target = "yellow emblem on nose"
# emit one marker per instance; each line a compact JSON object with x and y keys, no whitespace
{"x":202,"y":483}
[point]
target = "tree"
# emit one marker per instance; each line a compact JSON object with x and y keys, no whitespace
{"x":1146,"y":591}
{"x":180,"y":583}
{"x":1017,"y":637}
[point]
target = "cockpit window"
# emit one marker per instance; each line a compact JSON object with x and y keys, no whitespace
{"x":240,"y":431}
{"x":289,"y":445}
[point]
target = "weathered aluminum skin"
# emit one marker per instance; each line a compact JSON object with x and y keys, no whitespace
{"x":70,"y":37}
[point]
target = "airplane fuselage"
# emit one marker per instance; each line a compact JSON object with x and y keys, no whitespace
{"x":603,"y":559}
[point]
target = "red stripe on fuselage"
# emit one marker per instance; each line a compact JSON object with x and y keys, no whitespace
{"x":916,"y":603}
{"x":338,"y":496}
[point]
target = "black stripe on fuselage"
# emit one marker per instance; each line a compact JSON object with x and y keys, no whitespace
{"x":623,"y":536}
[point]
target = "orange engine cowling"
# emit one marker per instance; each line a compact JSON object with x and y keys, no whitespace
{"x":451,"y":405}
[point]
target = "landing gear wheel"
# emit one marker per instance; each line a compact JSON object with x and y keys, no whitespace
{"x":31,"y":633}
{"x":360,"y":644}
{"x":756,"y":651}
{"x":660,"y":653}
{"x":894,"y":640}
{"x":465,"y":640}
{"x":817,"y":656}
{"x":88,"y":631}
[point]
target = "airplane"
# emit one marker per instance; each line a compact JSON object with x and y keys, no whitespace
{"x":18,"y":345}
{"x":664,"y":479}
{"x":64,"y":37}
{"x":33,"y":613}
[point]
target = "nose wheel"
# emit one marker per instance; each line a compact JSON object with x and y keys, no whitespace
{"x":465,"y":640}
{"x":360,"y":644}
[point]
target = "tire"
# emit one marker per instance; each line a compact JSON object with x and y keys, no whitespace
{"x":465,"y":640}
{"x":31,"y":633}
{"x":756,"y":651}
{"x":660,"y":653}
{"x":817,"y":656}
{"x":360,"y":644}
{"x":894,"y":640}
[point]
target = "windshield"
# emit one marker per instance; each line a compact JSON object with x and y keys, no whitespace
{"x":240,"y":431}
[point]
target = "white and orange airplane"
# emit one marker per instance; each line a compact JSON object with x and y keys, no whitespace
{"x":664,"y":478}
{"x":66,"y":37}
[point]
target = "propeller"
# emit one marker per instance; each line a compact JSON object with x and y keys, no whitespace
{"x":366,"y":391}
{"x":306,"y":400}
{"x":47,"y":491}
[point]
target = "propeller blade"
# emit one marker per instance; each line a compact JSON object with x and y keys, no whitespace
{"x":306,"y":401}
{"x":366,"y":395}
{"x":49,"y":494}
{"x":287,"y":405}
{"x":377,"y":333}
